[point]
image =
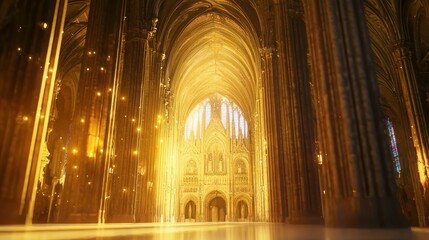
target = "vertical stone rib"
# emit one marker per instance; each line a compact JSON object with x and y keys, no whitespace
{"x":89,"y":125}
{"x":360,"y":188}
{"x":276,"y":191}
{"x":132,"y":195}
{"x":32,"y":31}
{"x":297,"y":118}
{"x":418,"y":128}
{"x":129,"y":122}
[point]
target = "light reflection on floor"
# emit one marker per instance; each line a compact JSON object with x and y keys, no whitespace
{"x":219,"y":231}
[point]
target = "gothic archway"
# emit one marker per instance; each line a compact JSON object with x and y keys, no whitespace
{"x":190,"y":211}
{"x":242,"y":211}
{"x":217,"y":210}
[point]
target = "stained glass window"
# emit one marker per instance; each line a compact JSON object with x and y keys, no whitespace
{"x":393,"y":146}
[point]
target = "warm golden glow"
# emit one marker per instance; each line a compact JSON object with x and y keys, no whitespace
{"x":212,"y":56}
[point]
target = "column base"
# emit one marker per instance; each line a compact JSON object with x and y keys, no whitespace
{"x":369,"y":212}
{"x":316,"y":220}
{"x":125,"y":218}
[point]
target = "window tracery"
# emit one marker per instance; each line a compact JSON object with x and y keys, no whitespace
{"x":216,"y":107}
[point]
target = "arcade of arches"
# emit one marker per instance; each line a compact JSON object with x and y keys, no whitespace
{"x":296,"y":111}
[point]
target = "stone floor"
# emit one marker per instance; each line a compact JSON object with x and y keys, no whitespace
{"x":207,"y":231}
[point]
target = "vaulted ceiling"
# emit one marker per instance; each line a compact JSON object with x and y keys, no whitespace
{"x":212,"y":47}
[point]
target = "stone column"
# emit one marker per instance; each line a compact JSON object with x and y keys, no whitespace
{"x":358,"y":171}
{"x":303,"y":195}
{"x":131,"y":192}
{"x":276,"y":182}
{"x":418,"y":128}
{"x":30,"y":39}
{"x":85,"y":166}
{"x":152,"y":119}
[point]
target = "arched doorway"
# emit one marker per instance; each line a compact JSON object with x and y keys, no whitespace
{"x":190,"y":211}
{"x":216,"y":210}
{"x":242,"y":211}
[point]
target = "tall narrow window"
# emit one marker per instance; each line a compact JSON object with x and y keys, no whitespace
{"x":208,"y":114}
{"x":223,"y":113}
{"x":230,"y":115}
{"x":195,"y":125}
{"x":200,"y":125}
{"x":242,"y":125}
{"x":188,"y":128}
{"x":236,"y":124}
{"x":230,"y":120}
{"x":393,"y":146}
{"x":246,"y":129}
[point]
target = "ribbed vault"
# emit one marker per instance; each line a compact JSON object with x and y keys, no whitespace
{"x":212,"y":52}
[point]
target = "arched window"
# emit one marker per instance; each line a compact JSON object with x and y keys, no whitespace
{"x":230,"y":120}
{"x":242,"y":124}
{"x":223,"y":114}
{"x":191,"y":168}
{"x":236,"y":126}
{"x":240,"y":167}
{"x":393,"y":146}
{"x":201,"y":116}
{"x":208,"y":114}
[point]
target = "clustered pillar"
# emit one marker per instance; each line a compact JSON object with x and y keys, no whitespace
{"x":359,"y":184}
{"x":30,"y":42}
{"x":89,"y":128}
{"x":297,"y":119}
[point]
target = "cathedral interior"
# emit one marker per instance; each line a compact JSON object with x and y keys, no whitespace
{"x":274,"y":115}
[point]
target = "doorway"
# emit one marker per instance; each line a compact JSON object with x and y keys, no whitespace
{"x":216,"y":210}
